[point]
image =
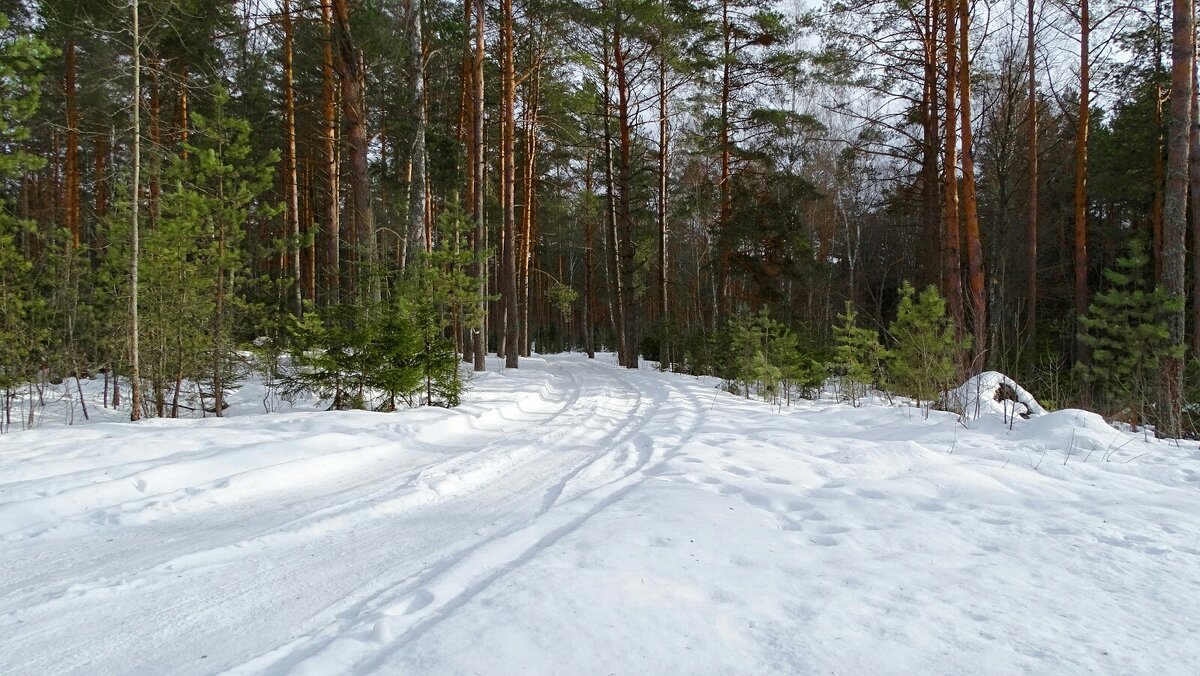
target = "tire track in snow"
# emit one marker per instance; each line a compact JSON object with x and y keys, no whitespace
{"x":400,"y":616}
{"x":477,"y":462}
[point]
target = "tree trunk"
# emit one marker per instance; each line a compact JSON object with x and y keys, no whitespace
{"x":725,"y":213}
{"x":625,"y":250}
{"x":951,"y":259}
{"x":293,"y":184}
{"x":1194,"y":188}
{"x":135,"y":373}
{"x":528,"y":206}
{"x":970,"y":208}
{"x":1031,"y":231}
{"x":183,"y":110}
{"x":930,"y":188}
{"x":329,"y":136}
{"x":354,"y":114}
{"x":1183,"y":47}
{"x":664,"y":334}
{"x":589,"y":285}
{"x":1081,"y":152}
{"x":616,"y":313}
{"x":417,"y":189}
{"x":1156,"y":209}
{"x":508,"y":267}
{"x":72,"y":159}
{"x":479,"y":343}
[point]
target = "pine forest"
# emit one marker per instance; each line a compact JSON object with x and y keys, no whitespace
{"x":369,"y":196}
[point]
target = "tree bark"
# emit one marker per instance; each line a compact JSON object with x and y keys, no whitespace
{"x":725,"y":213}
{"x":72,"y":158}
{"x":1183,"y":47}
{"x":293,"y":184}
{"x":930,"y":188}
{"x":975,"y":272}
{"x":329,"y":131}
{"x":1194,"y":191}
{"x":135,"y":372}
{"x":1081,"y":152}
{"x":625,"y":201}
{"x":417,"y":187}
{"x":508,"y":267}
{"x":354,"y":114}
{"x":479,"y":342}
{"x":616,"y":312}
{"x":589,"y":285}
{"x":1031,"y":232}
{"x":664,"y":334}
{"x":951,"y":258}
{"x":528,"y":206}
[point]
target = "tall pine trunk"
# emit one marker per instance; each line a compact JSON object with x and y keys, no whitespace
{"x":329,"y":131}
{"x":975,"y":274}
{"x":416,"y":243}
{"x":664,"y":334}
{"x":1081,"y":153}
{"x":479,"y":342}
{"x":951,"y":258}
{"x":1194,"y":200}
{"x":72,"y":158}
{"x":508,"y":267}
{"x":135,"y":371}
{"x":625,"y":251}
{"x":1183,"y":44}
{"x":354,"y":113}
{"x":293,"y":185}
{"x":1031,"y":228}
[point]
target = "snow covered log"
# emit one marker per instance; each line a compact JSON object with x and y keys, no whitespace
{"x":992,"y":393}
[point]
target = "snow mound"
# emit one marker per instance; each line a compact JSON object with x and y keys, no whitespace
{"x":992,"y":393}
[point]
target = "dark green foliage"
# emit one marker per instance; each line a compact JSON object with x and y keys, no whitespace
{"x":398,"y":353}
{"x":1127,"y":333}
{"x":921,"y":364}
{"x":21,"y":334}
{"x":378,"y":360}
{"x":764,"y":357}
{"x":858,"y":358}
{"x":194,"y":262}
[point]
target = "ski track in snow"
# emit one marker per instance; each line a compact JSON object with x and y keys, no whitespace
{"x":573,"y":517}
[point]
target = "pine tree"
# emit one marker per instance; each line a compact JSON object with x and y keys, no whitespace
{"x":1127,"y":334}
{"x":20,"y":334}
{"x":858,"y":357}
{"x":193,"y":262}
{"x":921,"y":362}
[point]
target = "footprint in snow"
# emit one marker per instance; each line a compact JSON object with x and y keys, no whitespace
{"x":421,"y":598}
{"x":824,"y":540}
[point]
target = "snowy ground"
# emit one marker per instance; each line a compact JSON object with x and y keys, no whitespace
{"x":577,"y":518}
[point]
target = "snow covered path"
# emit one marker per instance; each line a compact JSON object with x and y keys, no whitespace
{"x":577,"y":518}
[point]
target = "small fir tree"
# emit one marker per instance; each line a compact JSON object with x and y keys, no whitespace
{"x":1127,"y":333}
{"x":858,"y":357}
{"x":921,"y":363}
{"x":764,"y":356}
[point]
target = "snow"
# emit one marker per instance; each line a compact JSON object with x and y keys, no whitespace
{"x":992,"y":394}
{"x":577,"y":518}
